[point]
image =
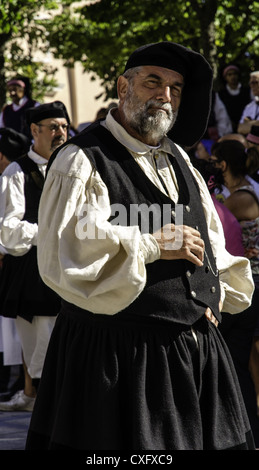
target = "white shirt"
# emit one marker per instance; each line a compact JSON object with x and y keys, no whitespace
{"x":105,"y":274}
{"x":223,"y":121}
{"x":17,"y":236}
{"x":236,"y":91}
{"x":251,"y":110}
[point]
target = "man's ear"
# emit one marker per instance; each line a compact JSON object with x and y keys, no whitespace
{"x":34,"y":129}
{"x":223,"y":165}
{"x":122,"y":87}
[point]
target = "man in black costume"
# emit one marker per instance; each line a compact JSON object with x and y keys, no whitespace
{"x":234,"y":95}
{"x":128,"y":237}
{"x":14,"y":115}
{"x":23,"y":295}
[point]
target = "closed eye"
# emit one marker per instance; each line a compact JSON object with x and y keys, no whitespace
{"x":176,"y":90}
{"x":151,"y":83}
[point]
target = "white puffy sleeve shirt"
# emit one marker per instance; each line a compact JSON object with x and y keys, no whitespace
{"x":101,"y":267}
{"x":17,"y":236}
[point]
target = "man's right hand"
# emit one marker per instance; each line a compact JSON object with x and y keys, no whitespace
{"x":180,"y":242}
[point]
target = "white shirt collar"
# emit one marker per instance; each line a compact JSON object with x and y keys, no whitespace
{"x":36,"y":157}
{"x":234,"y":92}
{"x":132,"y":144}
{"x":22,"y":102}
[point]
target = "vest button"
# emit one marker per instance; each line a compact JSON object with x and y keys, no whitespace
{"x":193,"y":294}
{"x":213,"y":289}
{"x":188,"y":208}
{"x":173,"y":213}
{"x":188,"y":273}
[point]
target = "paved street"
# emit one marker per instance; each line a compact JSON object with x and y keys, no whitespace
{"x":13,"y":429}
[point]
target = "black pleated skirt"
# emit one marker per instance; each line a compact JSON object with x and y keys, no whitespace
{"x":22,"y":291}
{"x":111,"y":383}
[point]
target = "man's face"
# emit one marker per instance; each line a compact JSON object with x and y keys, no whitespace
{"x":151,"y":102}
{"x":232,"y":78}
{"x":49,"y":134}
{"x":254,"y":84}
{"x":16,"y":93}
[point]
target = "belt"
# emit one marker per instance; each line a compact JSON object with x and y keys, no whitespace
{"x":209,"y":315}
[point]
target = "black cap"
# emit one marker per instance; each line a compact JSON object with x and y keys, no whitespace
{"x":163,"y":54}
{"x":194,"y":109}
{"x":56,"y":109}
{"x":12,"y":143}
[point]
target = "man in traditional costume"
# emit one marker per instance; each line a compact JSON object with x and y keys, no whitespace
{"x":23,"y":295}
{"x":130,"y":240}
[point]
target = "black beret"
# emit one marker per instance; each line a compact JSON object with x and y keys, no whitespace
{"x":163,"y":54}
{"x":194,"y":109}
{"x":55,"y":109}
{"x":12,"y":143}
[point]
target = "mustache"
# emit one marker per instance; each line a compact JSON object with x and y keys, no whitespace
{"x":58,"y":140}
{"x":158,"y":105}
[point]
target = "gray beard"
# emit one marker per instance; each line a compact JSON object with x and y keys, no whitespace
{"x":151,"y":126}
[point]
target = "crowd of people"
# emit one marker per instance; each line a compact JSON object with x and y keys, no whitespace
{"x":230,"y":165}
{"x":124,"y":337}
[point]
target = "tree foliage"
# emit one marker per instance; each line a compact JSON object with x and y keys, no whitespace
{"x":101,"y":34}
{"x":22,"y":37}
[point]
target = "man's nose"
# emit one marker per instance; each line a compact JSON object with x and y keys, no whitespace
{"x":164,"y":94}
{"x":61,"y":130}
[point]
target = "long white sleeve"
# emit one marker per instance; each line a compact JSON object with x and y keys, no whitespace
{"x":17,"y":236}
{"x":86,"y":260}
{"x":101,"y":267}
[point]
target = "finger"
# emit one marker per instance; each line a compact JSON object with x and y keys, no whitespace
{"x":194,"y":246}
{"x":198,"y":249}
{"x":196,"y":258}
{"x":198,"y":254}
{"x":194,"y":254}
{"x":186,"y":231}
{"x":210,"y":316}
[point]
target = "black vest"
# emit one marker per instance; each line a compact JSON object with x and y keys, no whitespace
{"x":22,"y":292}
{"x":175,"y":290}
{"x":235,"y":104}
{"x":16,"y":119}
{"x":33,"y":185}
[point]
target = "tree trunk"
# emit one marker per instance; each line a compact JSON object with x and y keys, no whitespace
{"x":3,"y":40}
{"x":206,"y":13}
